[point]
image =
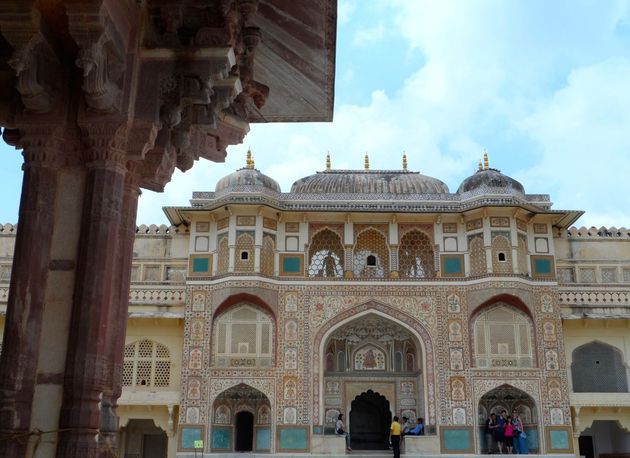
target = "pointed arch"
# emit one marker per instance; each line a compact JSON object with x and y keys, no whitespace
{"x":416,"y":257}
{"x":417,"y":329}
{"x":326,"y":254}
{"x":597,"y":367}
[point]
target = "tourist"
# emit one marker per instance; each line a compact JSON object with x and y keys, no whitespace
{"x":520,"y":437}
{"x":499,"y":432}
{"x":418,"y":430}
{"x":405,"y":426}
{"x":394,"y":437}
{"x":491,"y":426}
{"x":340,"y":428}
{"x":509,"y":434}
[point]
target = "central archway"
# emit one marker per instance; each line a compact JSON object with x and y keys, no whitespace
{"x":511,"y":399}
{"x":370,"y":418}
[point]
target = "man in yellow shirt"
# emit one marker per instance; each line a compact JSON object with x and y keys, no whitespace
{"x":394,"y":437}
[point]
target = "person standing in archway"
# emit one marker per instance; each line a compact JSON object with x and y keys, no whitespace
{"x":394,"y":436}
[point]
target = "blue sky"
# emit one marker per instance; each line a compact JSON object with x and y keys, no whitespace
{"x":543,"y":86}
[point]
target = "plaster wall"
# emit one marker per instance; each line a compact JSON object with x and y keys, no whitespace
{"x":596,"y":249}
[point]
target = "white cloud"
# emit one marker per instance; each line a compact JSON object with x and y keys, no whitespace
{"x":366,"y":36}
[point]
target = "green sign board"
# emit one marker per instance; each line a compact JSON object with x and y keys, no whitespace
{"x":198,"y":444}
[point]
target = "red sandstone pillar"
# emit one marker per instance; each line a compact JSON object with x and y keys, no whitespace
{"x":18,"y":364}
{"x":119,"y":310}
{"x":90,"y":364}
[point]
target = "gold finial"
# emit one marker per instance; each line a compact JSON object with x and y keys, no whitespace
{"x":404,"y":161}
{"x":250,"y":159}
{"x":366,"y":162}
{"x":485,"y":160}
{"x":328,"y":161}
{"x":480,"y":165}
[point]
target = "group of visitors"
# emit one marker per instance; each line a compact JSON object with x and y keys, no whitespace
{"x":507,"y":433}
{"x":396,"y":432}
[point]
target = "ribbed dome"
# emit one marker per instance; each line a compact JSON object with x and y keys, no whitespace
{"x":491,"y":180}
{"x":369,"y":182}
{"x":247,"y":177}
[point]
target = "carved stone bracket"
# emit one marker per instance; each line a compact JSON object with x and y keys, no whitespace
{"x":35,"y":64}
{"x":100,"y":55}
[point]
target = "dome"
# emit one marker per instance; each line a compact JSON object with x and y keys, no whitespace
{"x":369,"y":182}
{"x":247,"y":177}
{"x":489,"y":181}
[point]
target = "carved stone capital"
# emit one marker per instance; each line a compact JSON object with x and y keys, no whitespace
{"x":105,"y":144}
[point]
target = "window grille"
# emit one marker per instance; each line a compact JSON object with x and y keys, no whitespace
{"x":326,"y":255}
{"x":146,"y":364}
{"x":267,"y":255}
{"x":244,"y":331}
{"x":371,"y":243}
{"x":626,"y":275}
{"x":587,"y":275}
{"x":415,"y":256}
{"x":245,"y":244}
{"x":598,"y":368}
{"x":501,"y":246}
{"x":609,"y":275}
{"x":503,"y":337}
{"x":223,"y":255}
{"x":478,"y":264}
{"x":566,"y":275}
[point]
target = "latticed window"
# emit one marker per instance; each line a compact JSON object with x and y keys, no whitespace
{"x":371,"y":255}
{"x":587,"y":275}
{"x":244,"y":253}
{"x":326,"y":255}
{"x":223,"y":255}
{"x":503,"y":337}
{"x":501,"y":254}
{"x":244,"y":331}
{"x":626,"y":275}
{"x":598,"y":368}
{"x":522,"y":254}
{"x":267,"y":254}
{"x":415,"y":256}
{"x":147,"y":364}
{"x":609,"y":275}
{"x":477,"y":251}
{"x":566,"y":275}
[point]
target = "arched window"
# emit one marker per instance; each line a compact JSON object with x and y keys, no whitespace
{"x":223,"y":255}
{"x":326,"y":255}
{"x":267,"y":255}
{"x":477,"y":255}
{"x":501,"y":254}
{"x":503,"y":337}
{"x":147,"y":364}
{"x":415,"y":256}
{"x":244,"y":337}
{"x":598,"y":368}
{"x":244,"y":261}
{"x":371,"y":255}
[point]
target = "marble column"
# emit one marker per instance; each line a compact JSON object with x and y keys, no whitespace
{"x":18,"y":364}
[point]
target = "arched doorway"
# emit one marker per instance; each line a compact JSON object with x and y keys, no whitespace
{"x":244,"y":432}
{"x":604,"y":437}
{"x":370,"y":418}
{"x":510,"y":399}
{"x":241,"y":421}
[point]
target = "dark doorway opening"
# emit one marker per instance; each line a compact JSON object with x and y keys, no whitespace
{"x":370,"y":419}
{"x":154,"y":445}
{"x":587,"y":450}
{"x":244,"y":432}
